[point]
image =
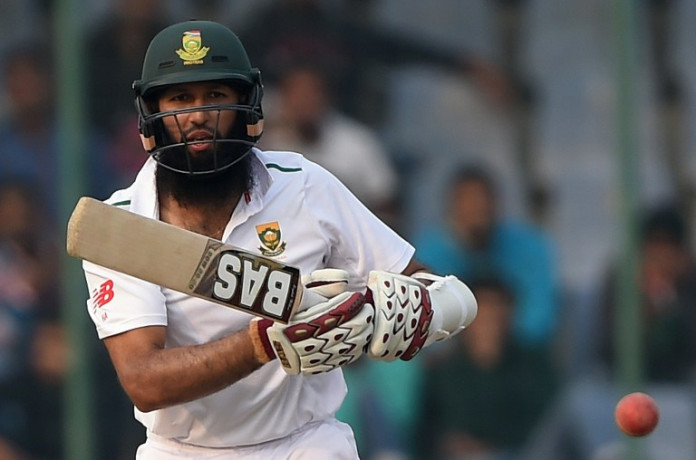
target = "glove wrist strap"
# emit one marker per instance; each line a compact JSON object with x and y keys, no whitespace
{"x":263,"y":350}
{"x":454,"y":308}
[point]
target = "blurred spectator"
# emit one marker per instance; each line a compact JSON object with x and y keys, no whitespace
{"x":342,"y":37}
{"x":18,"y":19}
{"x":36,"y":396}
{"x":667,"y":287}
{"x":30,"y":146}
{"x":28,"y":290}
{"x":484,"y":393}
{"x":303,"y":118}
{"x":30,"y":247}
{"x":476,"y":241}
{"x":581,"y":424}
{"x":116,"y":46}
{"x":27,"y":149}
{"x":115,"y":49}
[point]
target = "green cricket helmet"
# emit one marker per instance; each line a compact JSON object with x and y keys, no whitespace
{"x":198,"y":51}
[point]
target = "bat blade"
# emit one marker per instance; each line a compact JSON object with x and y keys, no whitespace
{"x":181,"y":260}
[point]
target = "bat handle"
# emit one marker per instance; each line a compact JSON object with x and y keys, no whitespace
{"x":310,"y":298}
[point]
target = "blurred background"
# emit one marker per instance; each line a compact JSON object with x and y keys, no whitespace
{"x":540,"y":150}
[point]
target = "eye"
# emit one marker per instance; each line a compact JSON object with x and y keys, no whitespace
{"x":222,"y":94}
{"x":179,"y":97}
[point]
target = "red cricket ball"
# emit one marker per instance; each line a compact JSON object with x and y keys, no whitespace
{"x":637,"y":414}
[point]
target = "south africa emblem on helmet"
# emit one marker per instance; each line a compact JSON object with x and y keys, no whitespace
{"x":193,"y":50}
{"x":270,"y":237}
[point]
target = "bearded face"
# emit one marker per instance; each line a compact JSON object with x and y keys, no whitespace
{"x":203,"y":161}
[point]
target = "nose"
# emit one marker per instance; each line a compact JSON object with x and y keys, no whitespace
{"x":199,"y":117}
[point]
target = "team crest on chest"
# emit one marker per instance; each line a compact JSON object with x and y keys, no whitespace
{"x":271,"y":239}
{"x":192,"y":51}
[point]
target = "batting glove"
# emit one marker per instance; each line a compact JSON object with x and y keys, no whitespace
{"x":410,"y":316}
{"x":326,"y":334}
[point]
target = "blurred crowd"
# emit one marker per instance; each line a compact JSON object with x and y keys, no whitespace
{"x":484,"y":131}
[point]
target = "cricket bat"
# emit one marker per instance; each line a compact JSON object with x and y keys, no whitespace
{"x":182,"y":260}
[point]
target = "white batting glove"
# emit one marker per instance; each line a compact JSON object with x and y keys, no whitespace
{"x":410,"y":316}
{"x":327,"y":333}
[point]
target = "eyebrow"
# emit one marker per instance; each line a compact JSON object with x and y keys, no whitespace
{"x":208,"y":86}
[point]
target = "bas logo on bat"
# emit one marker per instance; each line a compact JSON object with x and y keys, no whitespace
{"x":262,"y":286}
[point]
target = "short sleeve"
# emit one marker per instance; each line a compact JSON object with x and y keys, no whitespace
{"x":118,"y":303}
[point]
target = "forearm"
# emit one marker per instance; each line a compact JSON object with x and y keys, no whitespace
{"x":161,"y":377}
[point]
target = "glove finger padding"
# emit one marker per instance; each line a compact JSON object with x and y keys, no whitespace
{"x":323,"y":337}
{"x":402,"y":316}
{"x":328,"y":282}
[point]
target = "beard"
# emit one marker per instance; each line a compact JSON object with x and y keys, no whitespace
{"x":204,"y":190}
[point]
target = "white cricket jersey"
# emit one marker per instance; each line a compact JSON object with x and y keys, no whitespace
{"x":321,"y":225}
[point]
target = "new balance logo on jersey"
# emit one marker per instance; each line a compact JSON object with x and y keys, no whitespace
{"x":102,"y":295}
